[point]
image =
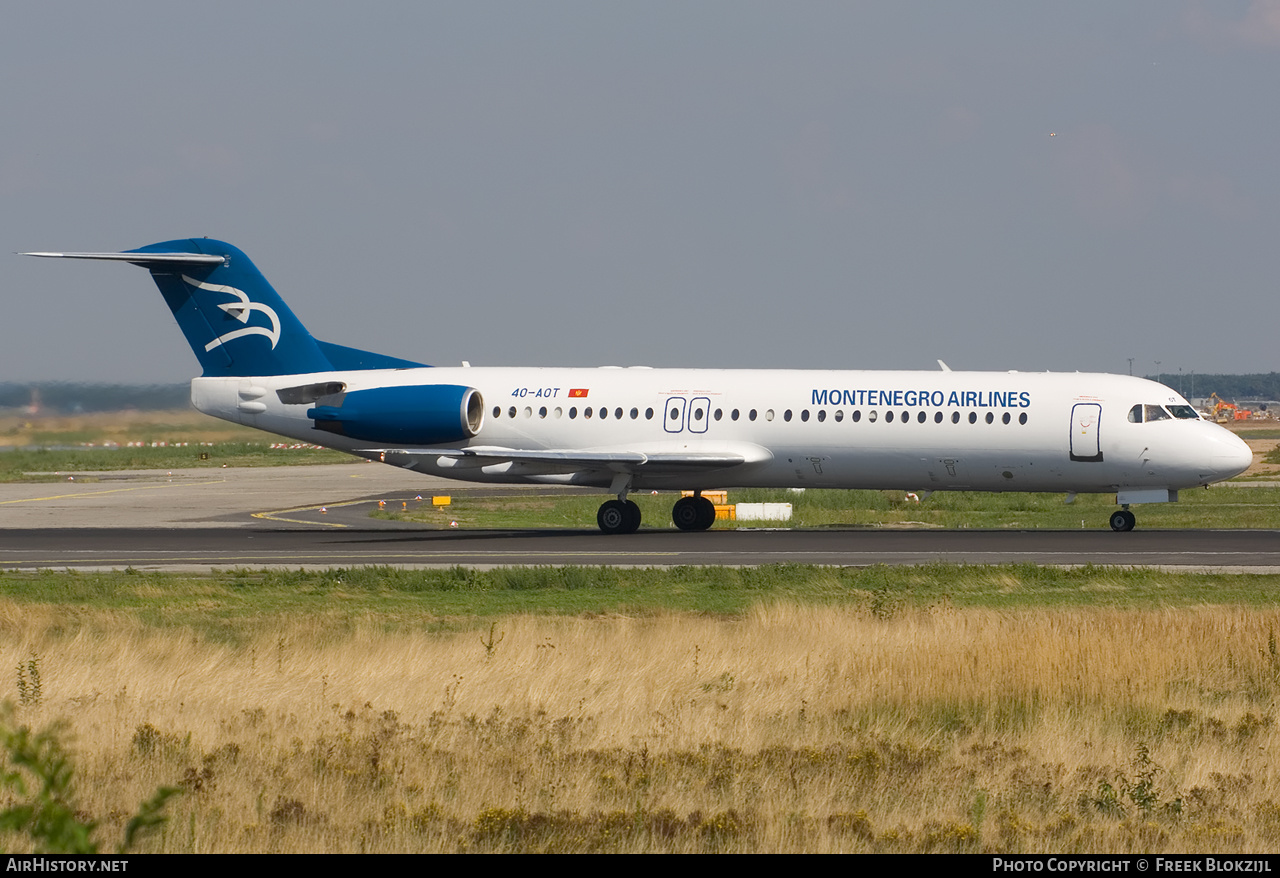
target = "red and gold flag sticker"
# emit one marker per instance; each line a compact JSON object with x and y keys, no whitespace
{"x":578,"y":392}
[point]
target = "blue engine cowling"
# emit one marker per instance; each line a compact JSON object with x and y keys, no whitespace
{"x":424,"y":414}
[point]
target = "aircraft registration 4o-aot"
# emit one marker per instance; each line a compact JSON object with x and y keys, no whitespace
{"x":638,"y":428}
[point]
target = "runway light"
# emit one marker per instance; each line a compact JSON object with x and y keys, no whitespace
{"x":324,"y":511}
{"x":453,"y":524}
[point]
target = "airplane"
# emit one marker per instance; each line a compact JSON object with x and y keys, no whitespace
{"x":640,"y":428}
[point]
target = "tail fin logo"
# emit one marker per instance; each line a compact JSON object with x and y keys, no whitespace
{"x":240,"y":310}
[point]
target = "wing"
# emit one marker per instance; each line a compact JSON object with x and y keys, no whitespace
{"x":656,"y":462}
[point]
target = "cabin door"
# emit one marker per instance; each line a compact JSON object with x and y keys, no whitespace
{"x":1085,"y":442}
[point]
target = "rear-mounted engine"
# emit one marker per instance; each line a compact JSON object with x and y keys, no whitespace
{"x":426,"y":414}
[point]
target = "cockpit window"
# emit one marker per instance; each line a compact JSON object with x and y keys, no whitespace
{"x":1155,"y":413}
{"x":1184,"y":412}
{"x":1135,"y":414}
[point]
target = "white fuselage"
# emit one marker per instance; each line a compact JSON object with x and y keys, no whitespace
{"x":981,"y":431}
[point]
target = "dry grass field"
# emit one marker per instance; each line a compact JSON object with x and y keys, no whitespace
{"x":786,"y":728}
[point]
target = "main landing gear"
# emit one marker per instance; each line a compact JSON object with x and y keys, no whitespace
{"x":622,"y":516}
{"x":618,"y":517}
{"x":1122,"y":520}
{"x":693,"y":513}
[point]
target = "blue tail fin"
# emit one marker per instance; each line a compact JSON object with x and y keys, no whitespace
{"x":234,"y":321}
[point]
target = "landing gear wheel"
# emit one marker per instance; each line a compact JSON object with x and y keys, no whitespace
{"x":618,"y":517}
{"x":633,"y":517}
{"x":1122,"y":520}
{"x":612,"y":517}
{"x":693,"y":513}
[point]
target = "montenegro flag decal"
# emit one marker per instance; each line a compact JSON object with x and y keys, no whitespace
{"x":578,"y":393}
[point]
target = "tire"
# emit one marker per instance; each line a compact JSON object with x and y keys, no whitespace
{"x":693,"y":513}
{"x":633,"y":517}
{"x":614,"y":516}
{"x":684,"y":514}
{"x":1122,"y":521}
{"x":707,"y":513}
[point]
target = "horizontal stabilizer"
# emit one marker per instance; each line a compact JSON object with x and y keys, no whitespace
{"x":141,"y":258}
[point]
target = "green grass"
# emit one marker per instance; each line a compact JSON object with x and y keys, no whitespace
{"x":1214,"y":508}
{"x":231,"y":606}
{"x":43,"y":464}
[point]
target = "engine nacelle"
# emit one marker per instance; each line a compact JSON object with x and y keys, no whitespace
{"x":424,"y":414}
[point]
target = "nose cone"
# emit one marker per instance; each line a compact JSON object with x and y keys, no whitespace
{"x":1231,"y":456}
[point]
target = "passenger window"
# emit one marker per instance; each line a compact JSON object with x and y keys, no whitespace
{"x":973,"y":417}
{"x":1005,"y":418}
{"x":752,"y":416}
{"x":768,"y":414}
{"x":675,"y":414}
{"x":528,"y":411}
{"x":871,"y":416}
{"x":1135,"y":414}
{"x":786,"y":416}
{"x":888,"y":417}
{"x":604,"y":413}
{"x":648,"y":414}
{"x":511,"y":412}
{"x":804,"y":416}
{"x":586,"y":412}
{"x":719,"y":414}
{"x":542,"y":412}
{"x":822,"y":415}
{"x":937,"y":417}
{"x":906,"y":417}
{"x":573,"y":412}
{"x":990,"y":417}
{"x":617,"y":413}
{"x":697,"y":414}
{"x":857,"y":415}
{"x":955,"y":417}
{"x":1022,"y":418}
{"x":1155,"y":413}
{"x":497,"y":411}
{"x":921,"y":417}
{"x":635,"y":413}
{"x":733,"y":415}
{"x":839,"y":415}
{"x":559,"y":412}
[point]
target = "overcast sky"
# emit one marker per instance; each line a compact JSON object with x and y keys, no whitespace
{"x":1003,"y":185}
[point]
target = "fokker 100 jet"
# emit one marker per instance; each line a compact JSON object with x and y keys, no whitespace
{"x":630,"y":429}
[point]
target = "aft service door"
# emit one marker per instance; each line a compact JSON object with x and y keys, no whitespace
{"x":1085,"y":443}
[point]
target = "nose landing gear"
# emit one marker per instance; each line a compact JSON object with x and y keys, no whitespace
{"x":1122,"y":520}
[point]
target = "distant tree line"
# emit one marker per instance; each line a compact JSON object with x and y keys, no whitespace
{"x":1261,"y":385}
{"x":69,"y":396}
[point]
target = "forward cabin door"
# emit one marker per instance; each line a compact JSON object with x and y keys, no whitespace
{"x":1086,"y":444}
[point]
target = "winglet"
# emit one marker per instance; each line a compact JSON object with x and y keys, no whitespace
{"x":945,"y":367}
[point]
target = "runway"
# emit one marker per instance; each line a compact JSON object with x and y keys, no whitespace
{"x":197,"y":520}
